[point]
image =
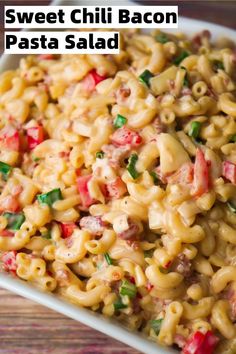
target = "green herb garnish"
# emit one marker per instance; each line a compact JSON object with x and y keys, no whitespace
{"x":50,"y":197}
{"x":180,"y":57}
{"x":194,"y":130}
{"x":14,"y":220}
{"x":108,"y":258}
{"x":118,"y":305}
{"x":100,"y":154}
{"x":156,"y":325}
{"x":119,"y":121}
{"x":154,"y":177}
{"x":129,"y":289}
{"x":145,"y":77}
{"x":162,"y":38}
{"x":5,"y":170}
{"x":233,"y":139}
{"x":131,"y":166}
{"x":218,"y":65}
{"x":47,"y":235}
{"x":148,"y":253}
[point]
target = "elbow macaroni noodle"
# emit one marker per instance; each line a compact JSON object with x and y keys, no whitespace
{"x":118,"y":182}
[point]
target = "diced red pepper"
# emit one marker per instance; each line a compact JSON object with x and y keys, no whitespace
{"x":126,"y":136}
{"x":82,"y":184}
{"x":201,"y":179}
{"x":91,"y":80}
{"x":35,"y":136}
{"x":184,"y":175}
{"x":229,"y":171}
{"x":9,"y":203}
{"x":45,"y":56}
{"x":10,"y":138}
{"x":6,"y":233}
{"x":67,"y":229}
{"x":201,"y":343}
{"x":116,"y":188}
{"x":9,"y":261}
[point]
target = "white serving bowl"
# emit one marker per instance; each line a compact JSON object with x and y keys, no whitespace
{"x":89,"y":318}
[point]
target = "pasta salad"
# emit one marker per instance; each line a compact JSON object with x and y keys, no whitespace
{"x":118,"y":184}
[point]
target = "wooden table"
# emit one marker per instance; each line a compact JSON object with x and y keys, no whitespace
{"x":28,"y":328}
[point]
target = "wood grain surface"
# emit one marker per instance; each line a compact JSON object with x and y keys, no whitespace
{"x":29,"y":328}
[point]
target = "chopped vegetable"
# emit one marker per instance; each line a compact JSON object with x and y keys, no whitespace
{"x":131,"y":166}
{"x":15,"y":220}
{"x":218,"y":65}
{"x":229,"y":171}
{"x":194,"y":130}
{"x":10,"y":138}
{"x":99,"y":154}
{"x":232,"y":207}
{"x":119,"y":121}
{"x":162,"y":38}
{"x":129,"y":289}
{"x":233,"y":138}
{"x":180,"y":57}
{"x":82,"y":184}
{"x":156,"y":325}
{"x":50,"y":197}
{"x":47,"y":235}
{"x":35,"y":136}
{"x":201,"y":179}
{"x":148,"y":253}
{"x":108,"y":258}
{"x":45,"y":56}
{"x":118,"y":305}
{"x":184,"y":175}
{"x":91,"y":80}
{"x":5,"y":170}
{"x":200,"y":343}
{"x":67,"y":229}
{"x":126,"y":136}
{"x":154,"y":176}
{"x":145,"y":77}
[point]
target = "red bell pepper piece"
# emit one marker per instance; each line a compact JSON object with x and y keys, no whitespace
{"x":91,"y":80}
{"x":9,"y":261}
{"x":35,"y":136}
{"x":67,"y":229}
{"x":82,"y":184}
{"x":45,"y":56}
{"x":116,"y":188}
{"x":201,"y":343}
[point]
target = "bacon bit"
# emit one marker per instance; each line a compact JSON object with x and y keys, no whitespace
{"x":132,"y":280}
{"x":229,"y":171}
{"x":180,"y":340}
{"x":184,"y":175}
{"x":158,"y":125}
{"x":6,"y":233}
{"x":63,"y":154}
{"x":186,"y":91}
{"x":9,"y":203}
{"x":125,"y":136}
{"x":160,"y":98}
{"x":122,"y":93}
{"x":16,"y":190}
{"x":182,"y":265}
{"x":198,"y":38}
{"x":131,"y":233}
{"x":10,"y":138}
{"x":136,"y":306}
{"x":149,"y":286}
{"x":160,"y":176}
{"x":63,"y":277}
{"x":116,"y":188}
{"x":9,"y":261}
{"x":201,"y":180}
{"x":92,"y":224}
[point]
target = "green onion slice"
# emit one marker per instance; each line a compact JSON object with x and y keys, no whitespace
{"x":233,"y":138}
{"x":108,"y":258}
{"x":145,"y":77}
{"x":180,"y":57}
{"x":14,"y":220}
{"x":100,"y":154}
{"x":131,"y":166}
{"x":194,"y":130}
{"x":162,"y":38}
{"x":129,"y":289}
{"x":50,"y":197}
{"x":156,"y":325}
{"x":232,"y":207}
{"x":119,"y":121}
{"x":154,"y":176}
{"x":5,"y":170}
{"x":47,"y":235}
{"x":218,"y":65}
{"x":118,"y":305}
